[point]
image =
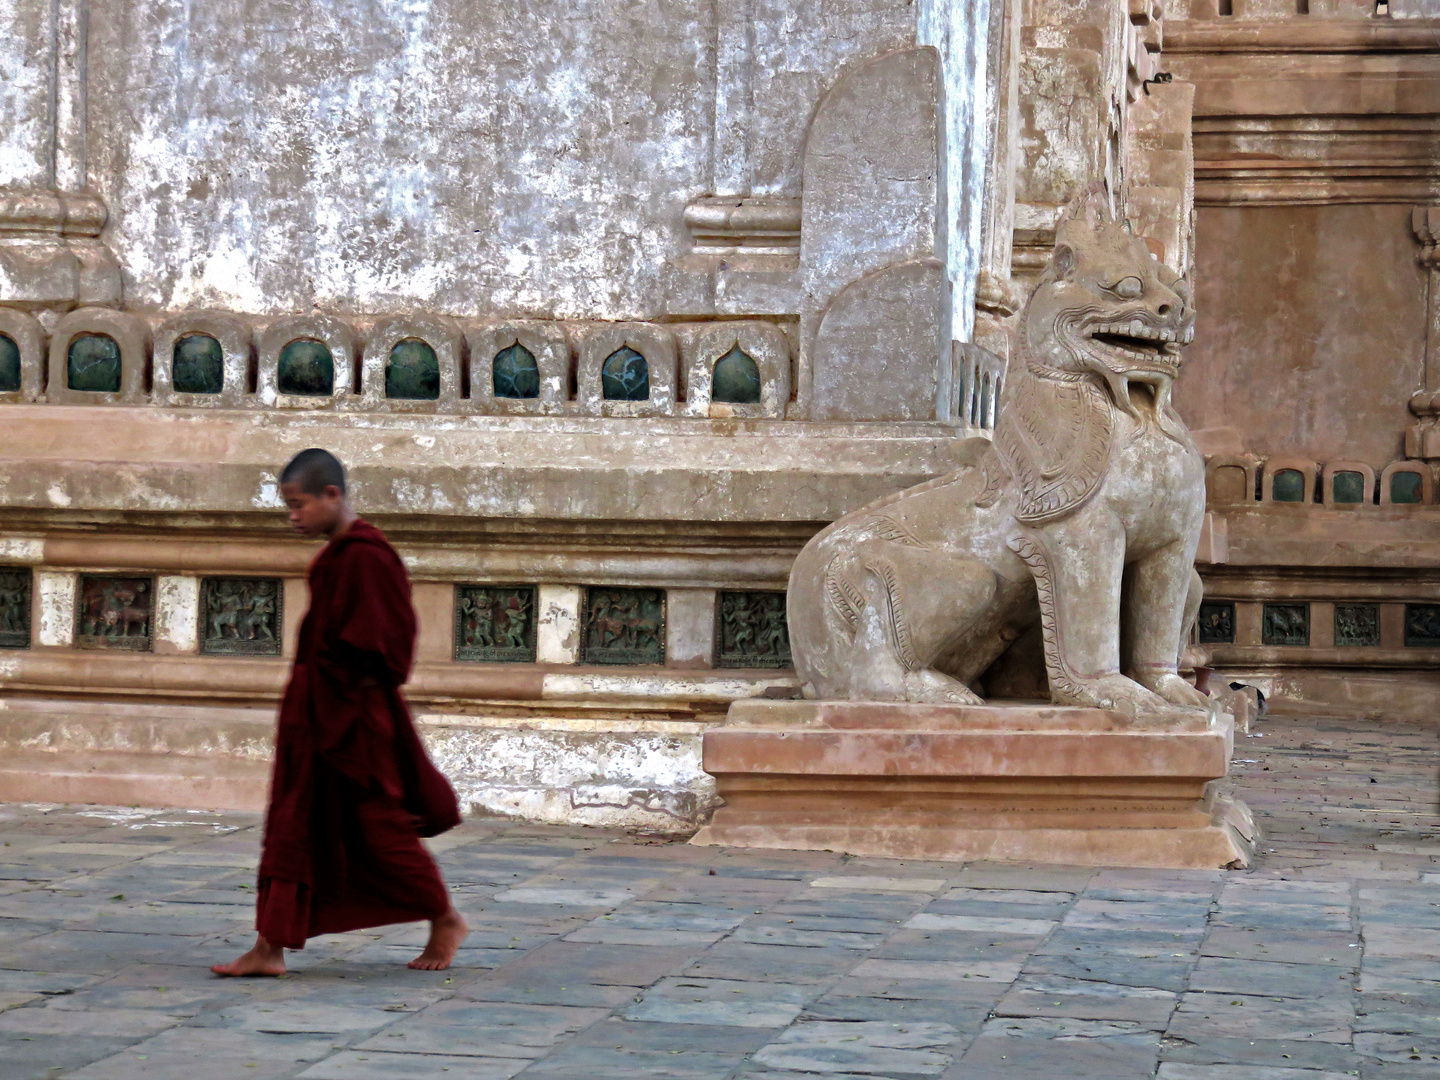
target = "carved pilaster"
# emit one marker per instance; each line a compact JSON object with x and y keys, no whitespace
{"x":51,"y":255}
{"x":1422,"y":440}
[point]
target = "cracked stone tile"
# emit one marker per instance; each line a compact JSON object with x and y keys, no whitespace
{"x":732,"y":959}
{"x":1055,"y":995}
{"x":1203,"y":1015}
{"x":1167,"y":973}
{"x":981,"y":924}
{"x":898,"y":1050}
{"x":1289,"y":947}
{"x":875,"y":883}
{"x":994,"y":971}
{"x":484,"y":1029}
{"x":184,"y":1053}
{"x":591,"y":898}
{"x":692,"y":1000}
{"x":1172,"y":1070}
{"x":377,"y":1065}
{"x":1227,"y":975}
{"x":1039,"y":1049}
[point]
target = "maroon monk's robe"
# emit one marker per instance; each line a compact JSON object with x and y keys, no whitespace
{"x":352,"y":789}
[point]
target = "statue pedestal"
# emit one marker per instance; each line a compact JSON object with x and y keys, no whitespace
{"x":1033,"y":783}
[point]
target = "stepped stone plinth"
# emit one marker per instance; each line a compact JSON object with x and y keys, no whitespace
{"x":1033,"y":783}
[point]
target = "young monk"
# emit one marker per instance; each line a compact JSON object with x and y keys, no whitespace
{"x":352,"y":790}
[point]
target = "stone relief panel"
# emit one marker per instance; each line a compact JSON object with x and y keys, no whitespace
{"x":1422,"y":626}
{"x":495,"y":623}
{"x":1217,"y":622}
{"x":1285,"y":624}
{"x":16,"y":585}
{"x":751,"y":631}
{"x":114,"y":612}
{"x":623,"y":626}
{"x":1357,"y":624}
{"x":241,"y":616}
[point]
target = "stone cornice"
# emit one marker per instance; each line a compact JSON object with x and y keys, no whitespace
{"x":1192,"y":37}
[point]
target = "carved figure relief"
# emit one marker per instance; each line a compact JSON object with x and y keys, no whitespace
{"x":1422,"y":626}
{"x":623,"y":626}
{"x":1285,"y":624}
{"x":752,"y":631}
{"x":241,"y":616}
{"x":1092,"y":481}
{"x":15,"y":587}
{"x":1217,"y":623}
{"x":495,"y":623}
{"x":1357,"y":624}
{"x":114,"y":612}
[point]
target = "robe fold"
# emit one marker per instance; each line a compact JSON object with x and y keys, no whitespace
{"x":352,"y":789}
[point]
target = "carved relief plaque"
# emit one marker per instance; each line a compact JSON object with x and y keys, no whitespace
{"x":15,"y":586}
{"x":1285,"y":624}
{"x":623,"y":626}
{"x":1357,"y":624}
{"x":1422,"y":626}
{"x":495,"y":623}
{"x":114,"y":612}
{"x":241,"y":616}
{"x":1217,"y":622}
{"x":752,"y":632}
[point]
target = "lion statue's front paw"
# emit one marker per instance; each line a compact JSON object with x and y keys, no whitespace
{"x":1177,"y":691}
{"x":1115,"y":692}
{"x":928,"y":687}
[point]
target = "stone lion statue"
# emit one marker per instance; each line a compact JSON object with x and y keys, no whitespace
{"x":1075,"y":532}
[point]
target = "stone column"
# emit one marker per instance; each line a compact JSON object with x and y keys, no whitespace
{"x":1422,"y":440}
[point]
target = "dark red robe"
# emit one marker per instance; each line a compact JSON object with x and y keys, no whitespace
{"x":352,"y":789}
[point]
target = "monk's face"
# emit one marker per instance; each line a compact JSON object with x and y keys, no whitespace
{"x":314,"y":515}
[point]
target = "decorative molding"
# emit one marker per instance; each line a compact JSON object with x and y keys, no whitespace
{"x":1300,"y":35}
{"x":730,"y":225}
{"x":51,"y":255}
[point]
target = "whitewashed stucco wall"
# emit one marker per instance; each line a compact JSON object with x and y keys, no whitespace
{"x":458,"y":155}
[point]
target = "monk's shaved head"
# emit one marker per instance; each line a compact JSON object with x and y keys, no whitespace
{"x":314,"y":470}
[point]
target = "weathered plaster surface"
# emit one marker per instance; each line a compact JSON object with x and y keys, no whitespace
{"x":26,"y":59}
{"x":557,"y":627}
{"x":177,"y":613}
{"x":456,"y":154}
{"x":22,"y":549}
{"x":56,"y":591}
{"x":617,"y":780}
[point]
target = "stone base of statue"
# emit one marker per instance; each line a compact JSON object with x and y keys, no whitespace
{"x":1033,"y":783}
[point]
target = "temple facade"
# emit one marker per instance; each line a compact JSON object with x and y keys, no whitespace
{"x":610,"y":306}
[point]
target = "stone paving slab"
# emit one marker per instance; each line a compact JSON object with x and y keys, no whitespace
{"x":596,"y":955}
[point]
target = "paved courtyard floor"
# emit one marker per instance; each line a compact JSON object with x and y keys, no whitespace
{"x":597,"y":956}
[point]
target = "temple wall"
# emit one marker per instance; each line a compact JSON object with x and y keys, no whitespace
{"x":1310,"y":335}
{"x":853,"y":195}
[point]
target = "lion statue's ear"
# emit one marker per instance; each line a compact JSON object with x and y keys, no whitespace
{"x":1063,"y":262}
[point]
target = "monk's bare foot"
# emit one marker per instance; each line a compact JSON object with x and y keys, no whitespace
{"x":446,"y":934}
{"x":263,"y":959}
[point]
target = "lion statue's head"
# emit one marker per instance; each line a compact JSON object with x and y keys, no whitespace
{"x":1106,"y":306}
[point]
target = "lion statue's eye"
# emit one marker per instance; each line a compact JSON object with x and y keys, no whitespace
{"x":1130,"y":288}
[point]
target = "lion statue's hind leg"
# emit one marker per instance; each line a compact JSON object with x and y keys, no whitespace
{"x":889,"y":609}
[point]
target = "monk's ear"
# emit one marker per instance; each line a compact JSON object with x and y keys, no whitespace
{"x":333,"y":492}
